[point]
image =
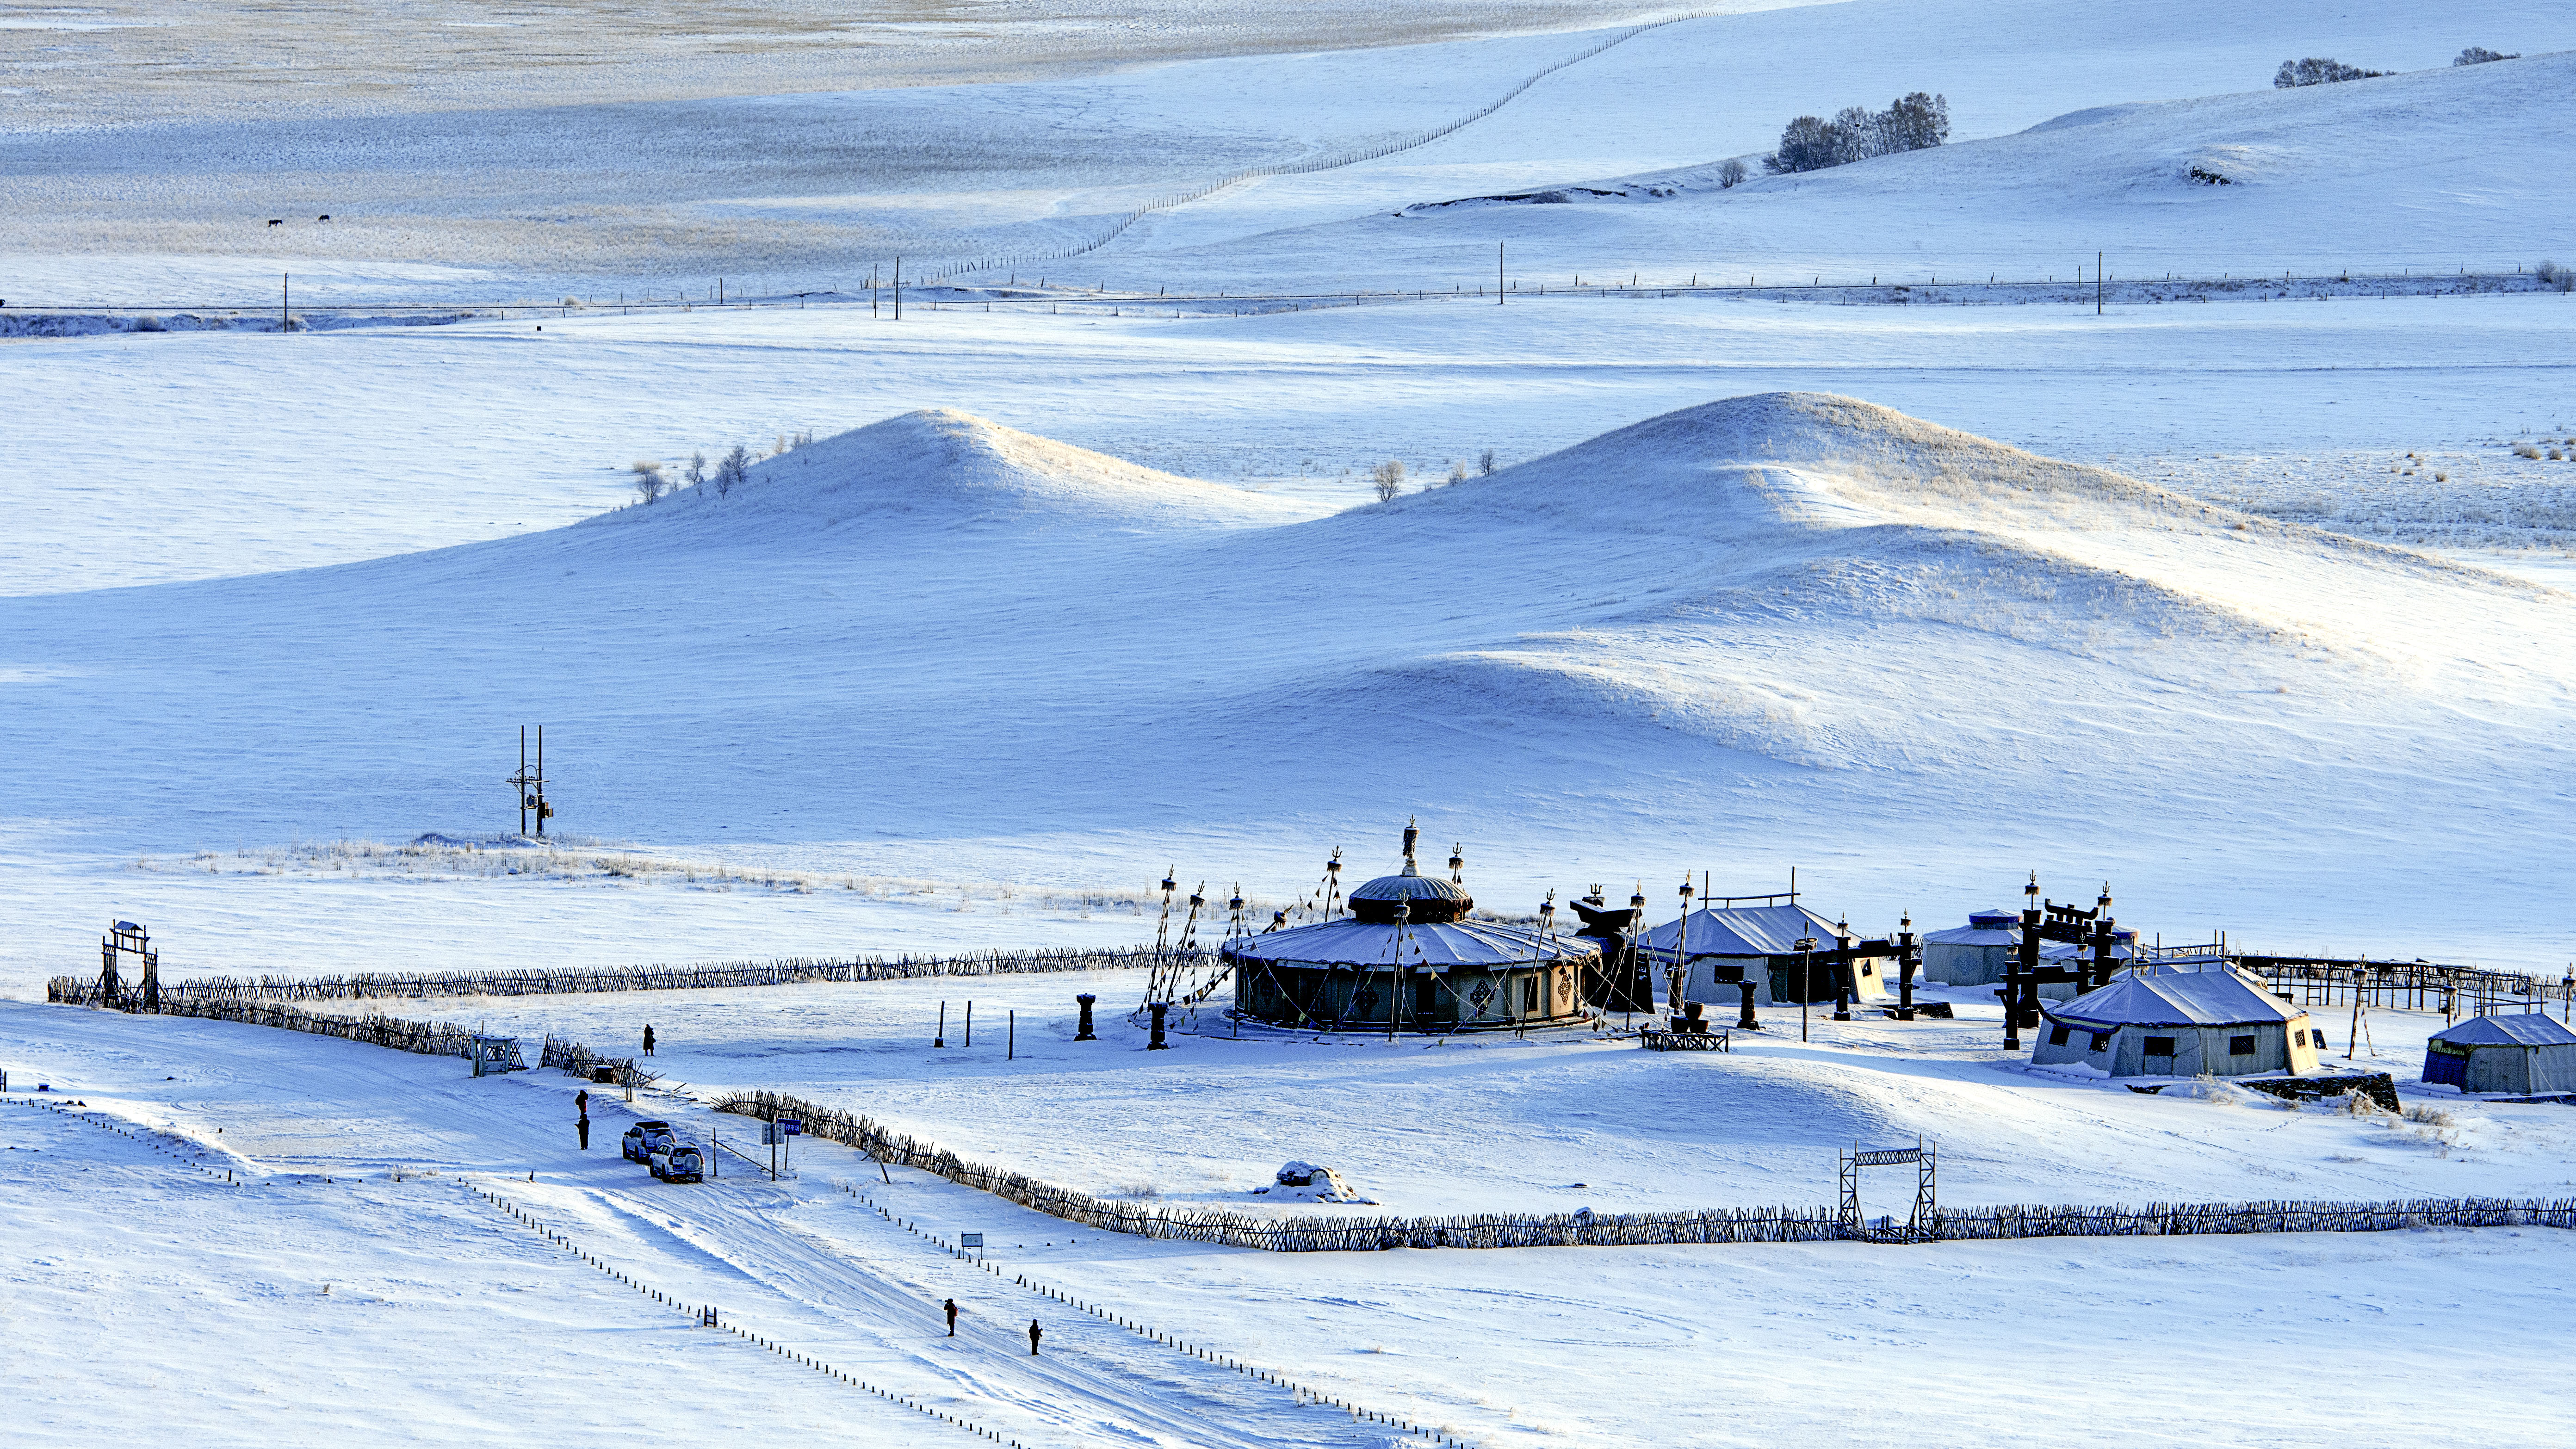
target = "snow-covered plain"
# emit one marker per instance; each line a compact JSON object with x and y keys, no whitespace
{"x":1059,"y":601}
{"x":461,"y":1317}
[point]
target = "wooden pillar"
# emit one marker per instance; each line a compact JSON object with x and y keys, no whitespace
{"x":1909,"y":958}
{"x":2017,"y":980}
{"x":1843,"y":984}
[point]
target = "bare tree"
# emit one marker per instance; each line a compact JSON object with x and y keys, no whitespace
{"x":1388,"y":479}
{"x":731,"y":469}
{"x":2480,"y":55}
{"x":649,"y":482}
{"x":1730,"y":173}
{"x":1457,"y":472}
{"x":1485,"y":464}
{"x":697,"y":472}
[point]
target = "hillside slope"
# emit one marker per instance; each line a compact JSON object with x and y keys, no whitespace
{"x":1766,"y":630}
{"x":2433,"y":170}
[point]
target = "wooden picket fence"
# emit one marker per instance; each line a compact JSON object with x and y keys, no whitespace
{"x":1585,"y":1228}
{"x":542,"y":981}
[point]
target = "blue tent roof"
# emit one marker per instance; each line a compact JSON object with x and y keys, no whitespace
{"x":2532,"y":1028}
{"x":2173,"y":998}
{"x":1348,"y":942}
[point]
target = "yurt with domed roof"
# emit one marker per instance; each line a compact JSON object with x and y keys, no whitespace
{"x":1407,"y":958}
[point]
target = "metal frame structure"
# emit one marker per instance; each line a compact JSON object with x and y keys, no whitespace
{"x":1919,"y":1227}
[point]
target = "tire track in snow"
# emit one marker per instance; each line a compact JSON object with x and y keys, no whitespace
{"x":1094,"y":1384}
{"x":1333,"y":162}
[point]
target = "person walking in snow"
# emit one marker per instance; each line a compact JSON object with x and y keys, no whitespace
{"x":1035,"y":1333}
{"x":648,"y":1038}
{"x":581,"y":1104}
{"x":952,"y":1317}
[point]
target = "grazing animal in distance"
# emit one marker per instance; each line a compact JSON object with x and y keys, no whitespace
{"x":326,"y":216}
{"x":276,"y":221}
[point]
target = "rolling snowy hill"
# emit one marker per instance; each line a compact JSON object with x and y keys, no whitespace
{"x":1764,"y":631}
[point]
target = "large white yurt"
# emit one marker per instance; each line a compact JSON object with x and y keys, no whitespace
{"x":1407,"y":958}
{"x":2522,"y":1053}
{"x":2168,"y":1023}
{"x":1723,"y":946}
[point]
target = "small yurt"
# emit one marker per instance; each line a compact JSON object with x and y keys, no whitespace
{"x":1407,"y":958}
{"x":1980,"y":952}
{"x":1724,"y":946}
{"x":2167,"y":1023}
{"x":2525,"y":1053}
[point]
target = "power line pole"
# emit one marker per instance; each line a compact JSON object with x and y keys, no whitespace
{"x":531,"y":784}
{"x":1498,"y":274}
{"x":2097,"y":284}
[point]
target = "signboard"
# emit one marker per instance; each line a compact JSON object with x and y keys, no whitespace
{"x":970,"y":1240}
{"x":791,"y":1127}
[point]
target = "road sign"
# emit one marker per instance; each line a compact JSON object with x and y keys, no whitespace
{"x":970,"y":1240}
{"x":791,"y":1126}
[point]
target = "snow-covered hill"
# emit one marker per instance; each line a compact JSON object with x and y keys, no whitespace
{"x":1766,"y":631}
{"x":2435,"y":171}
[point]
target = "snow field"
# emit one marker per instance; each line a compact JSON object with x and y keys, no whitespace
{"x":289,"y":1307}
{"x":1553,"y":1346}
{"x":666,"y":181}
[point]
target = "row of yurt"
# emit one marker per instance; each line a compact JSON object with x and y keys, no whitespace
{"x":1722,"y":947}
{"x":2525,"y":1054}
{"x":2180,"y":1023}
{"x":1407,"y":959}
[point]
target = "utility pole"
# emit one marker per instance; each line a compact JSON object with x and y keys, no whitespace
{"x":1498,"y":274}
{"x":2097,"y":284}
{"x":282,"y":322}
{"x":898,"y":289}
{"x":1806,"y":980}
{"x":531,"y":784}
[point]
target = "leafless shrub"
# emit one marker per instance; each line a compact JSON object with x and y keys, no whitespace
{"x":1730,"y":173}
{"x":731,"y":469}
{"x":1387,"y":479}
{"x":1485,"y":463}
{"x":2480,"y":55}
{"x":1457,"y":472}
{"x":697,"y":470}
{"x":649,"y":482}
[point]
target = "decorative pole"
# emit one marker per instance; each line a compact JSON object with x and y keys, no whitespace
{"x":1681,"y":958}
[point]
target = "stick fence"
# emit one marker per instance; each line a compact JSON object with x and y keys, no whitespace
{"x":1589,"y":1229}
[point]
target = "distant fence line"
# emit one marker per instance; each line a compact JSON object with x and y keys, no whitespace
{"x":90,"y":318}
{"x":543,"y":981}
{"x":1590,"y":1229}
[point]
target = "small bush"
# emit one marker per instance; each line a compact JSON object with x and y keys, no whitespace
{"x":2480,"y":55}
{"x":1485,"y":463}
{"x":697,"y":470}
{"x":1730,"y":173}
{"x":147,"y":323}
{"x":649,"y":482}
{"x":2428,"y":1115}
{"x":2318,"y":71}
{"x":1387,"y":479}
{"x":1457,"y":473}
{"x":2527,"y":450}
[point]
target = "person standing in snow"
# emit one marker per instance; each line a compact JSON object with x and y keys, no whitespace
{"x":1035,"y":1333}
{"x":952,"y":1317}
{"x":648,"y":1038}
{"x":581,"y":1103}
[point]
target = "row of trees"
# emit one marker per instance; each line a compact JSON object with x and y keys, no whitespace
{"x":2318,"y":70}
{"x":1387,"y":478}
{"x":727,"y":471}
{"x":1856,"y":133}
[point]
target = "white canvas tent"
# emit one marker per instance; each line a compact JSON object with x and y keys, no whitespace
{"x":2524,"y":1053}
{"x":2167,"y":1023}
{"x":1980,"y":952}
{"x":1728,"y":944}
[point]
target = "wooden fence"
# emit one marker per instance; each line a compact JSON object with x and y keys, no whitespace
{"x":1585,"y":1228}
{"x":426,"y":1038}
{"x":2407,"y":985}
{"x":540,"y":981}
